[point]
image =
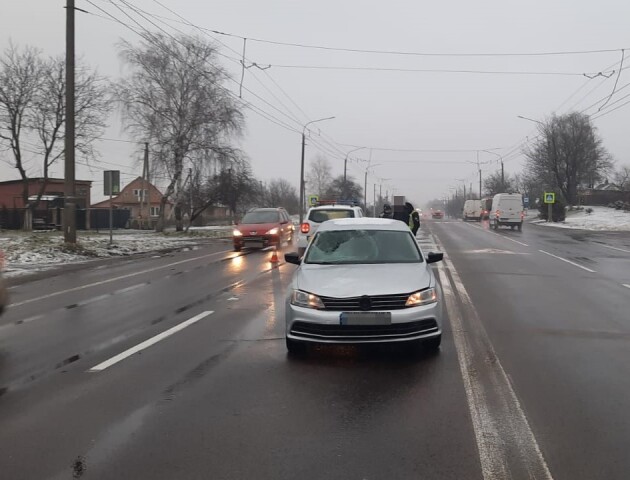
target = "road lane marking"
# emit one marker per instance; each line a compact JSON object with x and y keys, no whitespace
{"x":114,"y":279}
{"x":567,"y":261}
{"x":613,"y":248}
{"x":626,"y":285}
{"x":497,"y":234}
{"x":147,"y":343}
{"x":502,"y":432}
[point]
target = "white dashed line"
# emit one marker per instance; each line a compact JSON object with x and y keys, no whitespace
{"x":147,"y":343}
{"x":567,"y":261}
{"x":114,"y":279}
{"x":614,"y":248}
{"x":626,"y":285}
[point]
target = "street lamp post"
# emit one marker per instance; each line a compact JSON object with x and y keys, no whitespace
{"x":365,"y":184}
{"x":302,"y":165}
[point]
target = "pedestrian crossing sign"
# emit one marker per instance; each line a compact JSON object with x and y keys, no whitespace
{"x":550,"y":197}
{"x":312,"y":200}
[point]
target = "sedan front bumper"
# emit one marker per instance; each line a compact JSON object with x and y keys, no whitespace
{"x":324,"y":326}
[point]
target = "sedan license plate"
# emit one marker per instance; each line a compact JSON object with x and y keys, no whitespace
{"x":254,"y":244}
{"x":365,"y":318}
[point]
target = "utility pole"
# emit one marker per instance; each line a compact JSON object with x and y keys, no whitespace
{"x":145,"y":187}
{"x":190,"y":187}
{"x":502,"y":176}
{"x":365,"y":191}
{"x":69,"y":209}
{"x":302,"y":177}
{"x":374,"y":208}
{"x":465,"y":198}
{"x":479,"y":167}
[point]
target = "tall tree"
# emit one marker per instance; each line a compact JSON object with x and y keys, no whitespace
{"x":319,"y":176}
{"x":280,"y":193}
{"x":32,"y":106}
{"x":351,"y":190}
{"x":174,"y":99}
{"x":621,"y":178}
{"x":494,"y":183}
{"x":568,"y":153}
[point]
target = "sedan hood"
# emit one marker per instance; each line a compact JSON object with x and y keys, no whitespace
{"x":259,"y":228}
{"x":343,"y":281}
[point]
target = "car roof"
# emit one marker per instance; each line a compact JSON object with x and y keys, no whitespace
{"x":364,"y":223}
{"x":335,"y":206}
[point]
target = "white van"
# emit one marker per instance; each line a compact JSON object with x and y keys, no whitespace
{"x":473,"y":210}
{"x":507,"y":209}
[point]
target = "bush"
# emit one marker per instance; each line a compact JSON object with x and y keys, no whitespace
{"x":589,"y":210}
{"x":558,"y":210}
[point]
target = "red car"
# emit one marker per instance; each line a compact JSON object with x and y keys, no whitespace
{"x":263,"y":227}
{"x":437,"y":214}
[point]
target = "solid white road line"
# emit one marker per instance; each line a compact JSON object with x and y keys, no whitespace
{"x":567,"y":261}
{"x":614,"y":248}
{"x":626,"y":285}
{"x":502,"y":432}
{"x":147,"y":343}
{"x":114,"y":279}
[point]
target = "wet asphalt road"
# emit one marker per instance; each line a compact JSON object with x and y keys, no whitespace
{"x":221,"y":399}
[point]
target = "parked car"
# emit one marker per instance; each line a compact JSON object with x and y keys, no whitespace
{"x":473,"y":210}
{"x":325,"y":210}
{"x":507,"y":210}
{"x":263,"y":227}
{"x":363,"y":281}
{"x":437,"y":214}
{"x":4,"y":295}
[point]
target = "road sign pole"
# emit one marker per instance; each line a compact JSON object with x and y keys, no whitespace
{"x":111,"y":219}
{"x":549,"y":211}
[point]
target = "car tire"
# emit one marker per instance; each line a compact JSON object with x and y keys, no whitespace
{"x":237,"y":249}
{"x":512,"y":227}
{"x":295,"y":347}
{"x":432,"y":344}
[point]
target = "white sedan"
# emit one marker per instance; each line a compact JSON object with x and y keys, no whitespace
{"x":363,"y":280}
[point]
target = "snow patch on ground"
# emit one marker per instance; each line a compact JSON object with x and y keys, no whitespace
{"x":601,"y":219}
{"x":31,"y":252}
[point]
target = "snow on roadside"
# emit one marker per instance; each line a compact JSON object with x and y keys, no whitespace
{"x":28,"y":253}
{"x":601,"y":219}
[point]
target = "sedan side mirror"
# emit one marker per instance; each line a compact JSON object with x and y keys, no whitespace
{"x":433,"y":257}
{"x":292,"y":257}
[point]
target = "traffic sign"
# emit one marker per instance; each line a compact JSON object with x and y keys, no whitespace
{"x":526,"y":202}
{"x":550,"y":197}
{"x":312,"y":200}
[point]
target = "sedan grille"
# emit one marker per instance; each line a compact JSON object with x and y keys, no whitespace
{"x":354,"y":332}
{"x":366,"y":303}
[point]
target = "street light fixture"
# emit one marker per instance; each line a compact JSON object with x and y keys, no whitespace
{"x":530,"y":119}
{"x":302,"y":165}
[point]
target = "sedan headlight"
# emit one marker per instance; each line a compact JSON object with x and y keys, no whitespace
{"x":423,"y":297}
{"x":237,"y":233}
{"x":304,"y":299}
{"x":273,"y":231}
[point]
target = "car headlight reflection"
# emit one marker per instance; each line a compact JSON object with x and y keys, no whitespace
{"x":237,"y":233}
{"x":305,"y":299}
{"x":273,"y":231}
{"x":423,"y":297}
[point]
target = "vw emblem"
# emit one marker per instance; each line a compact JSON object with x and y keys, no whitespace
{"x":365,"y":303}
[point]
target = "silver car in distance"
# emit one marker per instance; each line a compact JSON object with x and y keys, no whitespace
{"x":361,"y":281}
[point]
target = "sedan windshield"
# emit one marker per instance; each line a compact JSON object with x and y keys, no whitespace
{"x":363,"y":246}
{"x":261,"y":216}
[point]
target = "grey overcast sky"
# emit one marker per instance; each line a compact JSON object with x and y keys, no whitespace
{"x":392,"y":109}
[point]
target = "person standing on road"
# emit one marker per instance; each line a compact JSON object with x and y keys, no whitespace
{"x":413,"y":218}
{"x":387,"y":211}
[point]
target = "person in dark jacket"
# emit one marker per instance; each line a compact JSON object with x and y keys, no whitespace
{"x":413,"y":218}
{"x":387,"y":211}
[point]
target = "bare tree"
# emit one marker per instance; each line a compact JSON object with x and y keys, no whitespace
{"x":280,"y":193}
{"x":494,"y":184}
{"x":621,"y":178}
{"x":175,"y":100}
{"x":350,"y":190}
{"x":32,"y":105}
{"x":20,"y":80}
{"x":319,"y":175}
{"x":568,"y":153}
